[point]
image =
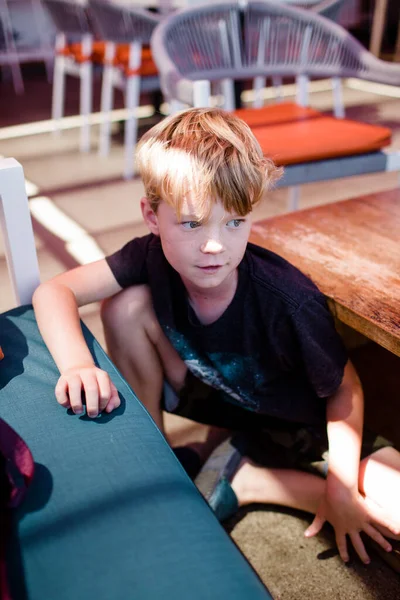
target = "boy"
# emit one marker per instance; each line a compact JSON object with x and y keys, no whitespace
{"x":242,"y":339}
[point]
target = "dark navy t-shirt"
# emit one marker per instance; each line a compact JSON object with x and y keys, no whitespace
{"x":274,"y":350}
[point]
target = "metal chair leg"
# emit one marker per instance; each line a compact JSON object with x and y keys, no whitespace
{"x":338,"y":105}
{"x":277,"y":83}
{"x":85,"y":73}
{"x":294,"y":197}
{"x":229,"y":94}
{"x":106,"y":101}
{"x":57,"y":103}
{"x":132,"y":95}
{"x":258,"y":86}
{"x":86,"y":105}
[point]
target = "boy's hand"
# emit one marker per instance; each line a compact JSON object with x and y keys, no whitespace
{"x":349,"y":513}
{"x":100,"y":393}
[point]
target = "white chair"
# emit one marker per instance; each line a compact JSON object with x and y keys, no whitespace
{"x":128,"y":65}
{"x":15,"y":51}
{"x":16,"y":226}
{"x":74,"y":51}
{"x":330,"y":9}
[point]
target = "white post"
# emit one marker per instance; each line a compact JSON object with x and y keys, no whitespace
{"x":16,"y":225}
{"x":86,"y":92}
{"x":228,"y":93}
{"x":259,"y":84}
{"x":294,"y":197}
{"x":106,"y":101}
{"x":57,"y":104}
{"x":201,"y":93}
{"x":302,"y":80}
{"x":338,"y":105}
{"x":277,"y":83}
{"x":302,"y":90}
{"x":132,"y":97}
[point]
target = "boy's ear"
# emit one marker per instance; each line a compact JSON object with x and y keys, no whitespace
{"x":149,"y":216}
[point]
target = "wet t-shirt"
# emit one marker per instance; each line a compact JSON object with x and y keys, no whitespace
{"x":274,"y":350}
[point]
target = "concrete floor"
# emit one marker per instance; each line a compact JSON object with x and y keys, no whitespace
{"x":92,"y":194}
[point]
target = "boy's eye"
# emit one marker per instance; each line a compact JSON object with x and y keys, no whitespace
{"x":190,"y":224}
{"x":235,"y":223}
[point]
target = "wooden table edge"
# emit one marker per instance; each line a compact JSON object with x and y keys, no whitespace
{"x":369,"y":329}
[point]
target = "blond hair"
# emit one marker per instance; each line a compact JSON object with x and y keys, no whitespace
{"x":207,"y":154}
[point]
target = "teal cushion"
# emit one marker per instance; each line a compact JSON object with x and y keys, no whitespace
{"x":110,"y":514}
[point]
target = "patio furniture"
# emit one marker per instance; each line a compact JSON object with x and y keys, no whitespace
{"x":75,"y":53}
{"x":128,"y":65}
{"x":378,"y":28}
{"x":110,"y":512}
{"x":330,"y":9}
{"x":194,"y":47}
{"x":15,"y":48}
{"x":350,"y":249}
{"x":111,"y":38}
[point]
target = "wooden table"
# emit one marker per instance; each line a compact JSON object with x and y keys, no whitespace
{"x":351,"y":250}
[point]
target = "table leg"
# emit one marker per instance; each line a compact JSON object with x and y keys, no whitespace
{"x":396,"y":57}
{"x":378,"y":25}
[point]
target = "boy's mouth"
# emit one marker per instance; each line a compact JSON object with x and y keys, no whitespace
{"x":210,"y":268}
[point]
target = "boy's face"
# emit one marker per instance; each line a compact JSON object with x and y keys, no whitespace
{"x":205,"y":254}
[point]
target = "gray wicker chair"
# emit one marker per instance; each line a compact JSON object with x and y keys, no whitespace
{"x":74,"y":49}
{"x":330,"y":9}
{"x":226,"y":41}
{"x":124,"y":25}
{"x":88,"y":35}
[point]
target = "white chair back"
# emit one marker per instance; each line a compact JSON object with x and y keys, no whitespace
{"x":16,"y":227}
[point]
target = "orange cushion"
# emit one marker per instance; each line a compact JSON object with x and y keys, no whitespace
{"x":146,"y":69}
{"x":121,"y":58}
{"x":123,"y":53}
{"x":75,"y":51}
{"x":285,"y":112}
{"x":291,"y":134}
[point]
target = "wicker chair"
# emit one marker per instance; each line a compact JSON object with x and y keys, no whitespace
{"x":14,"y":49}
{"x":75,"y":53}
{"x":128,"y":65}
{"x":330,"y":9}
{"x":109,"y":37}
{"x":225,"y":41}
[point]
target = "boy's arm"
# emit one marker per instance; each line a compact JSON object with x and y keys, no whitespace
{"x":56,"y":305}
{"x":343,"y":505}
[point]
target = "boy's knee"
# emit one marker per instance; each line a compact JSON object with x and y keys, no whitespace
{"x":132,"y":304}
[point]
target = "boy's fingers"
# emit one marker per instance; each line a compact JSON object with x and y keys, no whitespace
{"x":115,"y":396}
{"x":359,"y":547}
{"x":315,"y":526}
{"x":341,"y":544}
{"x":61,"y":392}
{"x":75,"y":394}
{"x":114,"y":400}
{"x":377,"y":537}
{"x":104,"y":389}
{"x":91,"y":394}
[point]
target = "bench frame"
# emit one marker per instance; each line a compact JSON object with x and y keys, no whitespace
{"x":16,"y":225}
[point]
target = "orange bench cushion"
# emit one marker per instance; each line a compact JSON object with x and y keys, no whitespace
{"x":75,"y":51}
{"x":291,"y":134}
{"x":146,"y":69}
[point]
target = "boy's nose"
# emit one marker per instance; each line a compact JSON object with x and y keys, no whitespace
{"x":211,"y":246}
